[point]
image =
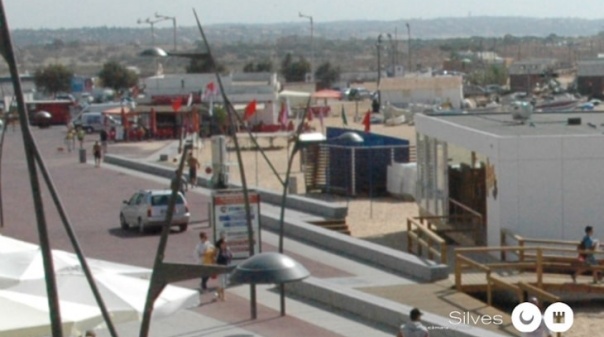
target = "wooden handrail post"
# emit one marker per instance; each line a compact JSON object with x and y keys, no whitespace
{"x":539,"y":268}
{"x":458,"y":268}
{"x":420,"y":236}
{"x":503,"y":243}
{"x":430,"y":254}
{"x":409,"y":241}
{"x":521,"y":253}
{"x":489,"y":289}
{"x":444,"y":254}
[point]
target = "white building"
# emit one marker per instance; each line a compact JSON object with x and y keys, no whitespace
{"x":240,"y":88}
{"x":422,"y":90}
{"x":541,"y":181}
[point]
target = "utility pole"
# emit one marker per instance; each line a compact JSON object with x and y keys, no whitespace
{"x":379,"y":71}
{"x":173,"y":18}
{"x":312,"y":48}
{"x":408,"y":46}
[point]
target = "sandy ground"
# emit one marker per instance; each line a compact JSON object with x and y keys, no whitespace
{"x":381,"y":220}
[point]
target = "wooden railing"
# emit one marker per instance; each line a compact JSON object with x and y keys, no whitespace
{"x":471,"y":217}
{"x":569,"y":254}
{"x":542,"y":260}
{"x":422,"y":235}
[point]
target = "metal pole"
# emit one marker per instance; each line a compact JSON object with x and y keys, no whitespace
{"x":174,"y":27}
{"x":232,"y":117}
{"x":29,"y":143}
{"x":408,"y":46}
{"x":379,"y":70}
{"x":312,"y":49}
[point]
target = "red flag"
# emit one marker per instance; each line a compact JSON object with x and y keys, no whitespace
{"x":176,"y":104}
{"x":210,"y":91}
{"x":250,"y":110}
{"x":367,"y":121}
{"x":283,"y":115}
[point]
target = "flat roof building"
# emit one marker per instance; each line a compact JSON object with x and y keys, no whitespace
{"x":543,"y":180}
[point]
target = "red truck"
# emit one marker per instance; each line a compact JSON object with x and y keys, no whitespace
{"x":59,"y":110}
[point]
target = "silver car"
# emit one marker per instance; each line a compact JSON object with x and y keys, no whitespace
{"x":148,"y":208}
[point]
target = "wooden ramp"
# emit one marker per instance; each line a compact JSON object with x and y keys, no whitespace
{"x":442,"y":299}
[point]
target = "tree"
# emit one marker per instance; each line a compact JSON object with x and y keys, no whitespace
{"x":294,"y":71}
{"x":53,"y":79}
{"x":117,"y":77}
{"x":260,"y":67}
{"x":326,"y":75}
{"x":203,"y":65}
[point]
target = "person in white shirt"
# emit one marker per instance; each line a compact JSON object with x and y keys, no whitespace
{"x":204,"y":254}
{"x":415,"y":328}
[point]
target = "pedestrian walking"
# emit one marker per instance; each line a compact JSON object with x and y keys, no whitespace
{"x":193,"y":164}
{"x":103,"y":136}
{"x":223,"y":258}
{"x":69,"y":140}
{"x":415,"y":328}
{"x":96,"y":151}
{"x":81,"y":133}
{"x":587,"y":260}
{"x":204,"y":254}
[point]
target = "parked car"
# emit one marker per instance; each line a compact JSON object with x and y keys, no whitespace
{"x":148,"y":209}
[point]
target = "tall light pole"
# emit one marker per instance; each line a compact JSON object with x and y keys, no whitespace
{"x":152,"y":23}
{"x":312,"y":48}
{"x":408,"y":45}
{"x":173,"y":18}
{"x":379,"y":72}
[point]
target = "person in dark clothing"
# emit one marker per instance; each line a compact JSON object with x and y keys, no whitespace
{"x":223,"y":258}
{"x":104,"y":136}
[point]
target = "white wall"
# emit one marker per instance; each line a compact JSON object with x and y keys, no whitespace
{"x":548,"y":186}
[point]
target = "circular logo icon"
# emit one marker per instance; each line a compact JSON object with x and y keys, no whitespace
{"x":526,"y":317}
{"x":558,"y":317}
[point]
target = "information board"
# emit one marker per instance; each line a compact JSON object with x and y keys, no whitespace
{"x":229,"y":220}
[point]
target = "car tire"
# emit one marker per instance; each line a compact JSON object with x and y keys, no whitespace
{"x":141,"y":227}
{"x":123,"y":222}
{"x":183,"y":228}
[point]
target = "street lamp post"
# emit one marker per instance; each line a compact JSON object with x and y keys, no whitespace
{"x":408,"y":46}
{"x":379,"y":70}
{"x":173,"y":18}
{"x":312,"y":48}
{"x":152,"y":23}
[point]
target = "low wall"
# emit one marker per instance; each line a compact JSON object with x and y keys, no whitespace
{"x":311,"y":206}
{"x":373,"y":254}
{"x":377,"y":310}
{"x":395,"y":261}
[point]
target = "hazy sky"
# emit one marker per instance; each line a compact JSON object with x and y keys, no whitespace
{"x":124,"y":13}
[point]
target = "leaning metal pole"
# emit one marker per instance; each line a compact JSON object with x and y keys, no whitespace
{"x":232,"y":113}
{"x":75,"y":243}
{"x":29,"y":144}
{"x":4,"y":125}
{"x":156,"y":285}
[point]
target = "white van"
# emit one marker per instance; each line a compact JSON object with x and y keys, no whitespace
{"x":93,"y":121}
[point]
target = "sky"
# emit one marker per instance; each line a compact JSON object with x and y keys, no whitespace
{"x":53,"y":14}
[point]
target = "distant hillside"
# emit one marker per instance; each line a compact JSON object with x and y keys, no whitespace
{"x":440,"y":28}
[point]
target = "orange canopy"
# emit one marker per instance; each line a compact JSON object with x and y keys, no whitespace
{"x":327,"y":93}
